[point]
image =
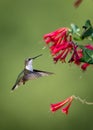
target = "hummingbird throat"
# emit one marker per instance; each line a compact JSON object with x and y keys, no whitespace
{"x":29,"y":66}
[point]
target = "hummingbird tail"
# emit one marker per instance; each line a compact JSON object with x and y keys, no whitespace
{"x":14,"y":87}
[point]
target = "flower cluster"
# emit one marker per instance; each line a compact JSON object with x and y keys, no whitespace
{"x":61,"y":44}
{"x":68,"y":101}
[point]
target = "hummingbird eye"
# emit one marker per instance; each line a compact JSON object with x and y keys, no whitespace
{"x":29,"y":59}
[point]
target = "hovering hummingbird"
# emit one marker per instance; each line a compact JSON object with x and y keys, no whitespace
{"x":29,"y":73}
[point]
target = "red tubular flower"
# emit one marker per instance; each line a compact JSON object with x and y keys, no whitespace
{"x":84,"y":66}
{"x":89,"y":46}
{"x":55,"y":107}
{"x":76,"y":55}
{"x":65,"y":110}
{"x":56,"y":35}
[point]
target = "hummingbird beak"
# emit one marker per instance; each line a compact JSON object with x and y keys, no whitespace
{"x":37,"y":56}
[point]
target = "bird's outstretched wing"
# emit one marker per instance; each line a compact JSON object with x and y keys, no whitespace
{"x":26,"y":75}
{"x":36,"y":74}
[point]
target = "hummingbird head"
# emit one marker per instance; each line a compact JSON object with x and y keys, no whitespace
{"x":28,"y":63}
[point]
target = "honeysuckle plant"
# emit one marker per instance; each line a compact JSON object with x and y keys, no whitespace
{"x":66,"y":41}
{"x":71,"y":41}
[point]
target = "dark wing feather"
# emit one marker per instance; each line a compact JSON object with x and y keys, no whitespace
{"x":42,"y":73}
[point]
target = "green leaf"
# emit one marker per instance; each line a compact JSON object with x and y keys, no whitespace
{"x":88,"y":30}
{"x":87,"y":55}
{"x":87,"y":24}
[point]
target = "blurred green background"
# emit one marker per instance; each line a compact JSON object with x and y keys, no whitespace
{"x":22,"y":26}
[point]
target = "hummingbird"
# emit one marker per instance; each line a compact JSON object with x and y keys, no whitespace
{"x":29,"y":73}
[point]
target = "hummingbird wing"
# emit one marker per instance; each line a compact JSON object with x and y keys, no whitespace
{"x":19,"y":80}
{"x":36,"y":74}
{"x":26,"y":75}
